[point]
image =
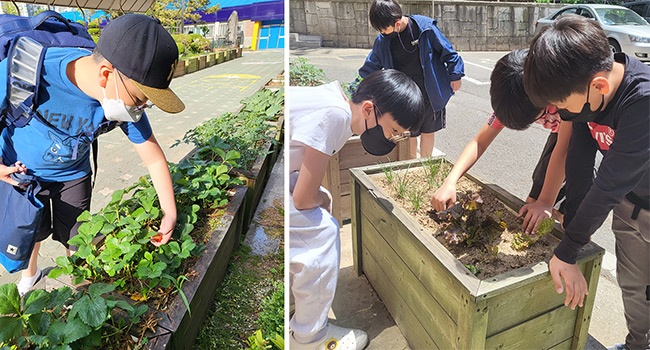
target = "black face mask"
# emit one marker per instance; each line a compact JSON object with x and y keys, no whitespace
{"x":585,"y":115}
{"x":374,"y":141}
{"x":390,"y":36}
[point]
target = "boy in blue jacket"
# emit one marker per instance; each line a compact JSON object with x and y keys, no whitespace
{"x":414,"y":45}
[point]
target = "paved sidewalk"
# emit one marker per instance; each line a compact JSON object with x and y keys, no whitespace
{"x":206,"y":93}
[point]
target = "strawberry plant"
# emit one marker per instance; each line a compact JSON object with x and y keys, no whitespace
{"x":125,"y":258}
{"x":63,"y":319}
{"x":246,"y":132}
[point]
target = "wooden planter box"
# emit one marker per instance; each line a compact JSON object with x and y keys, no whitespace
{"x":202,"y":63}
{"x":438,"y":304}
{"x":211,"y":269}
{"x":191,"y":65}
{"x":256,"y":178}
{"x":239,"y":52}
{"x":211,"y":60}
{"x":352,"y":155}
{"x":180,"y":69}
{"x":221,"y":57}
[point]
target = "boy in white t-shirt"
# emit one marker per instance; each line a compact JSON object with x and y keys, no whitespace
{"x":384,"y":107}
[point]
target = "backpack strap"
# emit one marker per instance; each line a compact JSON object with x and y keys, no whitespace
{"x":24,"y":69}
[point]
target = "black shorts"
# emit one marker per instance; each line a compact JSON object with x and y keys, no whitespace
{"x":433,"y":120}
{"x":539,"y":174}
{"x":64,"y":202}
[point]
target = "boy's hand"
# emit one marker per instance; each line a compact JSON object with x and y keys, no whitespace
{"x":6,"y":171}
{"x":444,"y":197}
{"x":455,"y":85}
{"x":165,"y":232}
{"x":574,"y":281}
{"x":535,"y":212}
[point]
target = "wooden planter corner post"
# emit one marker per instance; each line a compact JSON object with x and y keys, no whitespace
{"x":202,"y":60}
{"x":180,"y":69}
{"x":211,"y":268}
{"x":191,"y":65}
{"x":438,"y":304}
{"x":352,"y":155}
{"x":211,"y":60}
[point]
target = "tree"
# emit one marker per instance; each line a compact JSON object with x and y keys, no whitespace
{"x":174,"y":13}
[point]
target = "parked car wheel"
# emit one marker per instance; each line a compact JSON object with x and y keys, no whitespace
{"x":614,"y":45}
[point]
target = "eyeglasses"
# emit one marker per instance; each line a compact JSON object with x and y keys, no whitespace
{"x":139,"y":107}
{"x":394,"y":138}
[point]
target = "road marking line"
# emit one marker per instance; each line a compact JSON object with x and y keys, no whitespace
{"x":474,"y":81}
{"x":478,"y":65}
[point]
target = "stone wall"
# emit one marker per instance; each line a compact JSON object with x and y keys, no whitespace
{"x":469,"y":25}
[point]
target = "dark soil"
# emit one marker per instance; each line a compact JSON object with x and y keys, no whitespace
{"x":478,"y":256}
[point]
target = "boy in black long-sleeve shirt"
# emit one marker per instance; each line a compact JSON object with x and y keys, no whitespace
{"x":607,"y":97}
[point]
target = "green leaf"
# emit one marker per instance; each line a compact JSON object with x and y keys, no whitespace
{"x":97,"y":289}
{"x":40,"y":323}
{"x":56,"y":332}
{"x":85,"y":216}
{"x":62,"y":347}
{"x":174,"y":247}
{"x":74,"y":330}
{"x":36,"y":301}
{"x":92,"y":311}
{"x":10,"y":328}
{"x":9,"y":299}
{"x":59,"y":297}
{"x":117,"y":196}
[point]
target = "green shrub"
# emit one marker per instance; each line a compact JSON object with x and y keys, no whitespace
{"x":197,"y":43}
{"x":303,"y":73}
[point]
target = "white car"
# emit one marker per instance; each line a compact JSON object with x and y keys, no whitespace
{"x":626,"y":30}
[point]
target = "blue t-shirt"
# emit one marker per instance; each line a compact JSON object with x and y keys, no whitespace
{"x":48,"y":152}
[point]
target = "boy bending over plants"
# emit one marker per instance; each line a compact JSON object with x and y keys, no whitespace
{"x":81,"y":91}
{"x":510,"y":102}
{"x":607,"y":98}
{"x":385,"y":105}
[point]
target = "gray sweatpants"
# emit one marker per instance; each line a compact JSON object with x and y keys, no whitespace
{"x":633,"y":271}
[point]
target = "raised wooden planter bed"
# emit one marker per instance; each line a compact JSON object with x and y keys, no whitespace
{"x":211,"y":60}
{"x":438,"y":304}
{"x":220,"y":56}
{"x":257,"y":177}
{"x":180,"y":69}
{"x":352,"y":155}
{"x":210,"y":269}
{"x":191,"y":65}
{"x":176,"y":329}
{"x":202,"y":60}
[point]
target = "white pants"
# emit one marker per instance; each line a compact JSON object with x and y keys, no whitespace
{"x":314,"y":259}
{"x":633,"y":271}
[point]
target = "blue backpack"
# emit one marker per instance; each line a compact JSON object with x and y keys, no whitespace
{"x":23,"y":41}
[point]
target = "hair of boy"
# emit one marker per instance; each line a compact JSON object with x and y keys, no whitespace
{"x":509,"y":100}
{"x":564,"y":57}
{"x":384,"y":14}
{"x":393,"y":92}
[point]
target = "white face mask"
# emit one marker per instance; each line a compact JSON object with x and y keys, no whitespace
{"x":115,"y":109}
